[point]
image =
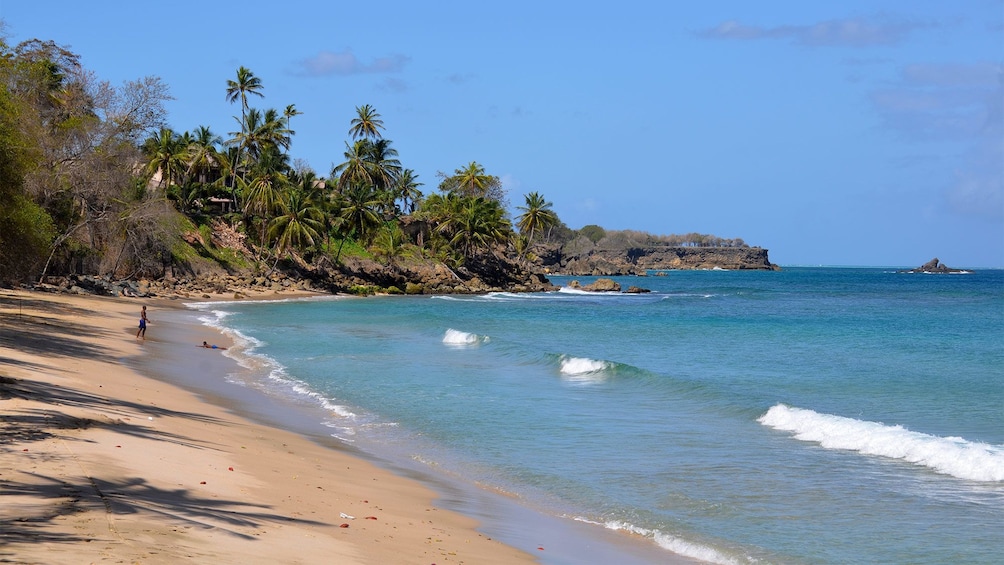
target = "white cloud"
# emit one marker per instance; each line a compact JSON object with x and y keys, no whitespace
{"x":850,"y":32}
{"x":328,"y":63}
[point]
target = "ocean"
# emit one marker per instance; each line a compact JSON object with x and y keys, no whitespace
{"x":811,"y":415}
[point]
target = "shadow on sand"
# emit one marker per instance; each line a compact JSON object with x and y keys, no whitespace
{"x":44,"y":499}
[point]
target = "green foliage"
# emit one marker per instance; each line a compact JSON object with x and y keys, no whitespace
{"x":363,"y":290}
{"x":593,"y":232}
{"x":26,"y":232}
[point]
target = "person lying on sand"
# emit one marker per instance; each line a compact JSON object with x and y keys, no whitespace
{"x":207,"y":346}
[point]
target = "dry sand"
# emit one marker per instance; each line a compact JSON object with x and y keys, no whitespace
{"x":100,"y":464}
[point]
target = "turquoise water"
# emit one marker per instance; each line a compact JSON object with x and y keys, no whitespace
{"x":812,"y":415}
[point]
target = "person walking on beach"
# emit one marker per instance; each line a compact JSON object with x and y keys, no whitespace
{"x":142,"y":324}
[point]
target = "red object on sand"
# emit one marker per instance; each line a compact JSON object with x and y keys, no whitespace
{"x":344,"y":526}
{"x":202,"y":482}
{"x":231,"y":468}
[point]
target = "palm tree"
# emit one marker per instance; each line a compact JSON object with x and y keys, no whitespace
{"x":246,"y":83}
{"x":357,"y":214}
{"x":359,"y":211}
{"x":298,"y":224}
{"x":367,"y":124}
{"x":203,"y":153}
{"x":384,"y":168}
{"x":472,"y":181}
{"x":263,"y":192}
{"x":288,"y":113}
{"x":407,"y":190}
{"x":166,"y":155}
{"x":480,"y":224}
{"x":389,"y":242}
{"x":537,"y":216}
{"x":355,"y":170}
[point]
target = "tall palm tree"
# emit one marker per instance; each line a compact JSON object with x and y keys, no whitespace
{"x":367,"y":124}
{"x":246,"y":83}
{"x":288,"y":113}
{"x":537,"y":216}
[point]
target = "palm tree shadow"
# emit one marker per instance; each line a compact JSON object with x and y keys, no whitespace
{"x":120,"y":499}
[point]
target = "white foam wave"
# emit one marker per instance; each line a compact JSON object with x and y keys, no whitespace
{"x":574,"y":366}
{"x":458,"y":338}
{"x":245,"y":354}
{"x":953,"y":456}
{"x":672,"y":543}
{"x":568,"y":290}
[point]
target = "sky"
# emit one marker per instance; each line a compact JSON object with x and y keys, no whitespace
{"x":859,"y":133}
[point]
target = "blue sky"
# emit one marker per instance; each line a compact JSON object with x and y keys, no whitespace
{"x":833,"y":133}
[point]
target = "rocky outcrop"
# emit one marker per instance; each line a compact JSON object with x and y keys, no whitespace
{"x":599,"y":285}
{"x":934,"y":266}
{"x":583,"y":258}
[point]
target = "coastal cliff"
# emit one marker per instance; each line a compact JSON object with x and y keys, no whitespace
{"x":583,"y":258}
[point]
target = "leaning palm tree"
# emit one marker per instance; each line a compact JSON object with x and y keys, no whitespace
{"x":367,"y":124}
{"x":537,"y":216}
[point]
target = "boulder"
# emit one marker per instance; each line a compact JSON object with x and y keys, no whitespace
{"x":603,"y":285}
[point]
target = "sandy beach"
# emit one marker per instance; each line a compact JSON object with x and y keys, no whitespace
{"x":100,"y":463}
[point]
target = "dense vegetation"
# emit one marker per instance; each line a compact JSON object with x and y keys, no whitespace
{"x":93,"y":180}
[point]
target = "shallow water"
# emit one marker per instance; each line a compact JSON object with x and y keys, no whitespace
{"x":727,"y":416}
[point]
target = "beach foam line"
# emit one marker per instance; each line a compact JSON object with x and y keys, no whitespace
{"x":671,"y":543}
{"x":953,"y":456}
{"x":457,"y":338}
{"x":244,"y":353}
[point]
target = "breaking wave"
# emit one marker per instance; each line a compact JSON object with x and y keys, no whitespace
{"x":953,"y":456}
{"x":457,"y":338}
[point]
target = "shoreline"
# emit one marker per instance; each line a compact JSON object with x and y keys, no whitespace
{"x":100,"y":461}
{"x":559,"y":540}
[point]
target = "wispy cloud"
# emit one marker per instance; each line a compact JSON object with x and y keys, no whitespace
{"x":327,"y":63}
{"x":957,"y":102}
{"x":943,"y":101}
{"x":851,"y":32}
